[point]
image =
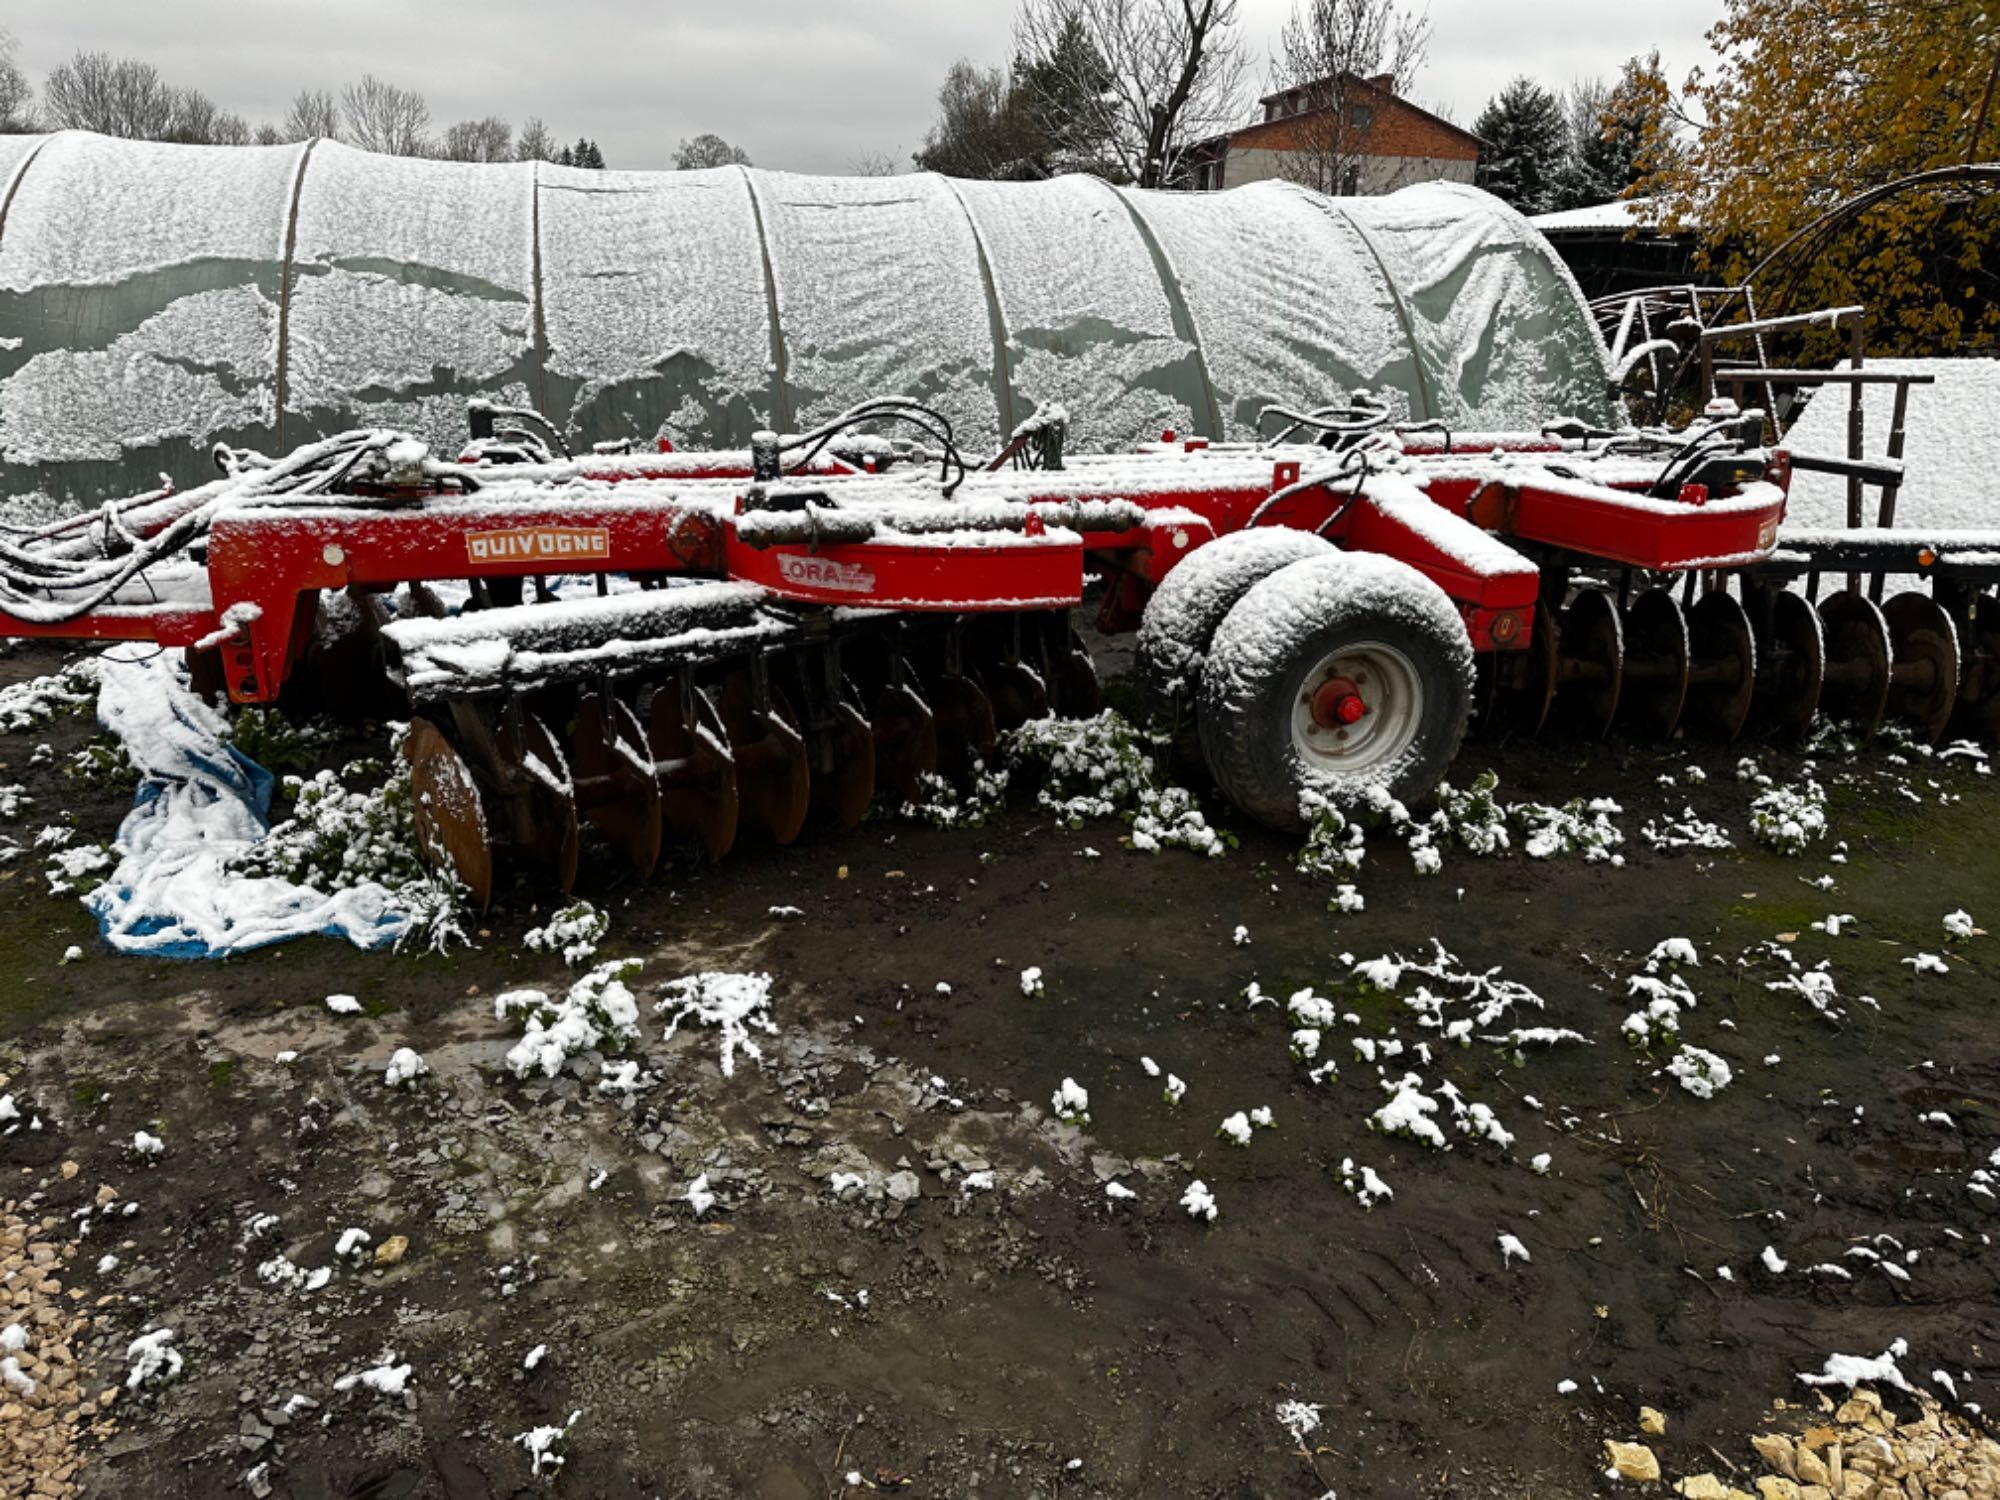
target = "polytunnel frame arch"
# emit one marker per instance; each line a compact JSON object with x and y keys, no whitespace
{"x":774,"y":399}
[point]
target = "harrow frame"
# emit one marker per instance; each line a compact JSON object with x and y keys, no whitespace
{"x":782,"y":640}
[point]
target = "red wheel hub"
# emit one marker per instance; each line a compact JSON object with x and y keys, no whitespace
{"x":1337,"y":704}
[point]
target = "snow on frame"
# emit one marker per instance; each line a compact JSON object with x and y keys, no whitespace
{"x":1951,"y":449}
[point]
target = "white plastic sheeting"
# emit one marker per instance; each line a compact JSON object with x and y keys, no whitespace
{"x":1491,"y":309}
{"x":879,"y":290}
{"x":1088,"y":324}
{"x":156,"y":299}
{"x":1285,"y":299}
{"x":143,"y":283}
{"x":654,"y":302}
{"x":412,"y":284}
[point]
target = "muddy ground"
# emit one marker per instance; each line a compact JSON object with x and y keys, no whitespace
{"x":1036,"y":1338}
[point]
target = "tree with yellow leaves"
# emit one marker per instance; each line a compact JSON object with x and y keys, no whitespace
{"x":1812,"y":101}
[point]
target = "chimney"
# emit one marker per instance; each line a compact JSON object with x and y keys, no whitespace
{"x":1386,"y":82}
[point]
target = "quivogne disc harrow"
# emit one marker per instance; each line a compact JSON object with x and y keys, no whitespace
{"x":644,"y":652}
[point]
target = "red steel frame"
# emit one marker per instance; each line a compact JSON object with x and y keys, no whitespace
{"x":267,"y":565}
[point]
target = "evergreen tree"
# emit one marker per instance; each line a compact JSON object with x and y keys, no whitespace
{"x":985,"y":129}
{"x":1061,"y":97}
{"x":1609,"y":128}
{"x":584,"y":154}
{"x":1526,"y":147}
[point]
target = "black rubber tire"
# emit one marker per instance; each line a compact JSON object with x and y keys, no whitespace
{"x":1284,"y":627}
{"x":1182,"y":615}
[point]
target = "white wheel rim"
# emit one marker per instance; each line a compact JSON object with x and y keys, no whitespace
{"x":1392,"y":701}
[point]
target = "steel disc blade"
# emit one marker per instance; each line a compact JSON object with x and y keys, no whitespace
{"x":1791,"y":667}
{"x":1723,"y":667}
{"x":773,"y":776}
{"x":1528,"y":701}
{"x":1858,"y":656}
{"x":1017,"y":692}
{"x":615,"y":785}
{"x":1656,"y":666}
{"x":452,"y":830}
{"x":1075,"y":688}
{"x":844,"y":753}
{"x":906,"y":742}
{"x":1924,"y":646}
{"x":1977,"y":716}
{"x":552,"y":836}
{"x":966,"y":733}
{"x":696,"y":769}
{"x":1593,"y":662}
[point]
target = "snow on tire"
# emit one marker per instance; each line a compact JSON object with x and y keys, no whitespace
{"x":1182,"y":615}
{"x":1348,"y":675}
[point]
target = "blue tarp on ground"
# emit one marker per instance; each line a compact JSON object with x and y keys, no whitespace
{"x":200,"y":805}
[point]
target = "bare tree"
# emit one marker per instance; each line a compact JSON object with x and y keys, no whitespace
{"x":313,"y":114}
{"x":1340,"y":59}
{"x":17,"y":96}
{"x":534,"y":143}
{"x":112,"y":96}
{"x":490,"y":139}
{"x":196,"y":120}
{"x":708,"y":150}
{"x":268,"y":135}
{"x":1165,"y":73}
{"x":382,"y":117}
{"x":875,"y":164}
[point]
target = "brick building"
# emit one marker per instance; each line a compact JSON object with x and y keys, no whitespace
{"x":1385,"y":143}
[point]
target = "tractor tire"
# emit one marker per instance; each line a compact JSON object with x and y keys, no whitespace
{"x":1182,"y":616}
{"x":1349,"y":677}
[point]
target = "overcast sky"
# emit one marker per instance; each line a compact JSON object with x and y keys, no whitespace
{"x":809,"y":85}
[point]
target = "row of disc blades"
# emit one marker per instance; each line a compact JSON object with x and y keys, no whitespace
{"x":699,"y":762}
{"x":1718,"y":668}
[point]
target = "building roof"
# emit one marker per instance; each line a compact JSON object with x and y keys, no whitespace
{"x":1616,"y":217}
{"x":1381,"y":85}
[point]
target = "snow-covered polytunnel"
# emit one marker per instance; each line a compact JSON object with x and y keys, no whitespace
{"x":156,"y":299}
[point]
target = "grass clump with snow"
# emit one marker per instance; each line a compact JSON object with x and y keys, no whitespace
{"x":1071,"y":1104}
{"x":545,"y":1445}
{"x":103,"y":762}
{"x":599,"y":1014}
{"x":280,"y":743}
{"x":344,"y":832}
{"x":31,"y":704}
{"x":1105,"y":767}
{"x":154,"y":1360}
{"x":1473,"y":820}
{"x":574,"y":932}
{"x":1701,"y":1072}
{"x":1790,"y":819}
{"x":1363,"y":1184}
{"x":943,"y":805}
